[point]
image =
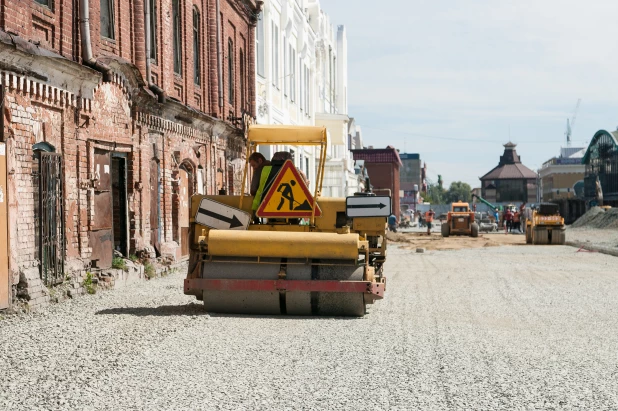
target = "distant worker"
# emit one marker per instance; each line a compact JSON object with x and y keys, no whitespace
{"x":599,"y":192}
{"x":429,"y":215}
{"x":497,"y":217}
{"x":516,"y":221}
{"x":392,"y":223}
{"x":508,"y":219}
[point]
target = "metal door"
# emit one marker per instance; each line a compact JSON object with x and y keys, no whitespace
{"x":183,"y":212}
{"x":101,"y":235}
{"x":4,"y":240}
{"x":51,"y":221}
{"x":155,"y":196}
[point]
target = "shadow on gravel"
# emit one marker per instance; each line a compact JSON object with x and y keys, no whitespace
{"x":161,"y":311}
{"x":283,"y":316}
{"x":198,"y":309}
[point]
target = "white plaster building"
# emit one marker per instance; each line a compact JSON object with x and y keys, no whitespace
{"x":285,"y":68}
{"x":301,"y":67}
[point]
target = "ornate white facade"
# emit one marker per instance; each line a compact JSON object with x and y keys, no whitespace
{"x":301,"y":67}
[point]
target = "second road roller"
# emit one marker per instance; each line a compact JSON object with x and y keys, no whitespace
{"x":276,"y":248}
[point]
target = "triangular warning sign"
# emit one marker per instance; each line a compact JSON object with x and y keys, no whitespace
{"x":288,"y":196}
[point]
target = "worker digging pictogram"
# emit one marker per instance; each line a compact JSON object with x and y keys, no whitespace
{"x":288,"y":196}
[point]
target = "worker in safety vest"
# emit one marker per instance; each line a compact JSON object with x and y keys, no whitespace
{"x":429,"y":215}
{"x":257,"y":162}
{"x":261,"y":170}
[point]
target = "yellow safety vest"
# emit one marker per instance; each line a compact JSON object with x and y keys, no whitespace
{"x":258,"y":195}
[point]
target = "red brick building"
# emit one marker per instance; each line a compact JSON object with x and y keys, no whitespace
{"x":383,"y":165}
{"x":114,"y":113}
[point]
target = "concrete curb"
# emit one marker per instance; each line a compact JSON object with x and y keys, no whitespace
{"x":586,"y":246}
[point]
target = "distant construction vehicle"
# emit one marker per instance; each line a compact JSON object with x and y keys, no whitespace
{"x":546,"y":225}
{"x":284,"y":250}
{"x":460,"y":221}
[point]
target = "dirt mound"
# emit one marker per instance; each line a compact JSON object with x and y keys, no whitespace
{"x":597,"y":217}
{"x":411,"y":241}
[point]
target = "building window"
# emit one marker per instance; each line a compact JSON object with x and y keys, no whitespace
{"x":292,"y":74}
{"x":107,"y":19}
{"x":334,"y":85}
{"x":301,"y":84}
{"x":177,"y":36}
{"x":307,"y":90}
{"x":260,"y":46}
{"x":241,"y":63}
{"x":230,"y":71}
{"x":197,"y":61}
{"x":285,"y":68}
{"x":153,"y":30}
{"x":275,"y":55}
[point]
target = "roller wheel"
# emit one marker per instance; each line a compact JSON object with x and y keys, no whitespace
{"x":475,"y":230}
{"x":540,"y":236}
{"x":291,"y":303}
{"x":445,"y":229}
{"x":558,"y":237}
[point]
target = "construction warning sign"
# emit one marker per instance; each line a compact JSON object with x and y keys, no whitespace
{"x":288,"y":196}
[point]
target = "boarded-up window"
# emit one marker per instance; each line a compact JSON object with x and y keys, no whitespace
{"x":107,"y":19}
{"x":177,"y":37}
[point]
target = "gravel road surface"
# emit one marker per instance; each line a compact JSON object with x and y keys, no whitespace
{"x":517,"y":327}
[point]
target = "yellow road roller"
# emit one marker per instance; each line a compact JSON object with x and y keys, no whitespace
{"x":286,"y":250}
{"x":546,"y":225}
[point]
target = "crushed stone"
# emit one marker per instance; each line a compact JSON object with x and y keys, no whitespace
{"x":598,"y":217}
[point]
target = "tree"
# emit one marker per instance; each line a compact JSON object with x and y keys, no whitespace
{"x":459,"y":191}
{"x":434,"y":195}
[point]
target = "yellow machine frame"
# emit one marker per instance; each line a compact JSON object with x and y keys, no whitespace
{"x":324,"y":242}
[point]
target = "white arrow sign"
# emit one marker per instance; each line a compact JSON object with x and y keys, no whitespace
{"x":368,"y":206}
{"x":220,"y":216}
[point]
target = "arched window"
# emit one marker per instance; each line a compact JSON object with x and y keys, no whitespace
{"x":230,"y":71}
{"x":197,"y":63}
{"x":241,"y":68}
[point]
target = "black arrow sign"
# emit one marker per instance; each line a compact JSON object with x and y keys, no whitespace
{"x":234,"y":222}
{"x":380,"y":206}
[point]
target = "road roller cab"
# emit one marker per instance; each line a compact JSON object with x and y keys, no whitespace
{"x":291,"y":251}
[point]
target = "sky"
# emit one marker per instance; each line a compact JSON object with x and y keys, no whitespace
{"x":454,"y":80}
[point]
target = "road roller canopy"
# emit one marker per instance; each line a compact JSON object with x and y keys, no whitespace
{"x":284,"y":134}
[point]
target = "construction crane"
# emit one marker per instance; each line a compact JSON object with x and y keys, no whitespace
{"x":571,"y":124}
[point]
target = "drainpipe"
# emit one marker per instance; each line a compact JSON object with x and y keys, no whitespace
{"x":219,"y":63}
{"x":84,"y":25}
{"x":147,"y":26}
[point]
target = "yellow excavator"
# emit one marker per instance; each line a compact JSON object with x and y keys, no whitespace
{"x":288,"y":252}
{"x":546,"y":225}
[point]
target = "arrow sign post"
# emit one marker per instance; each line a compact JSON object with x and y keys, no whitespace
{"x":368,"y":206}
{"x":220,"y":216}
